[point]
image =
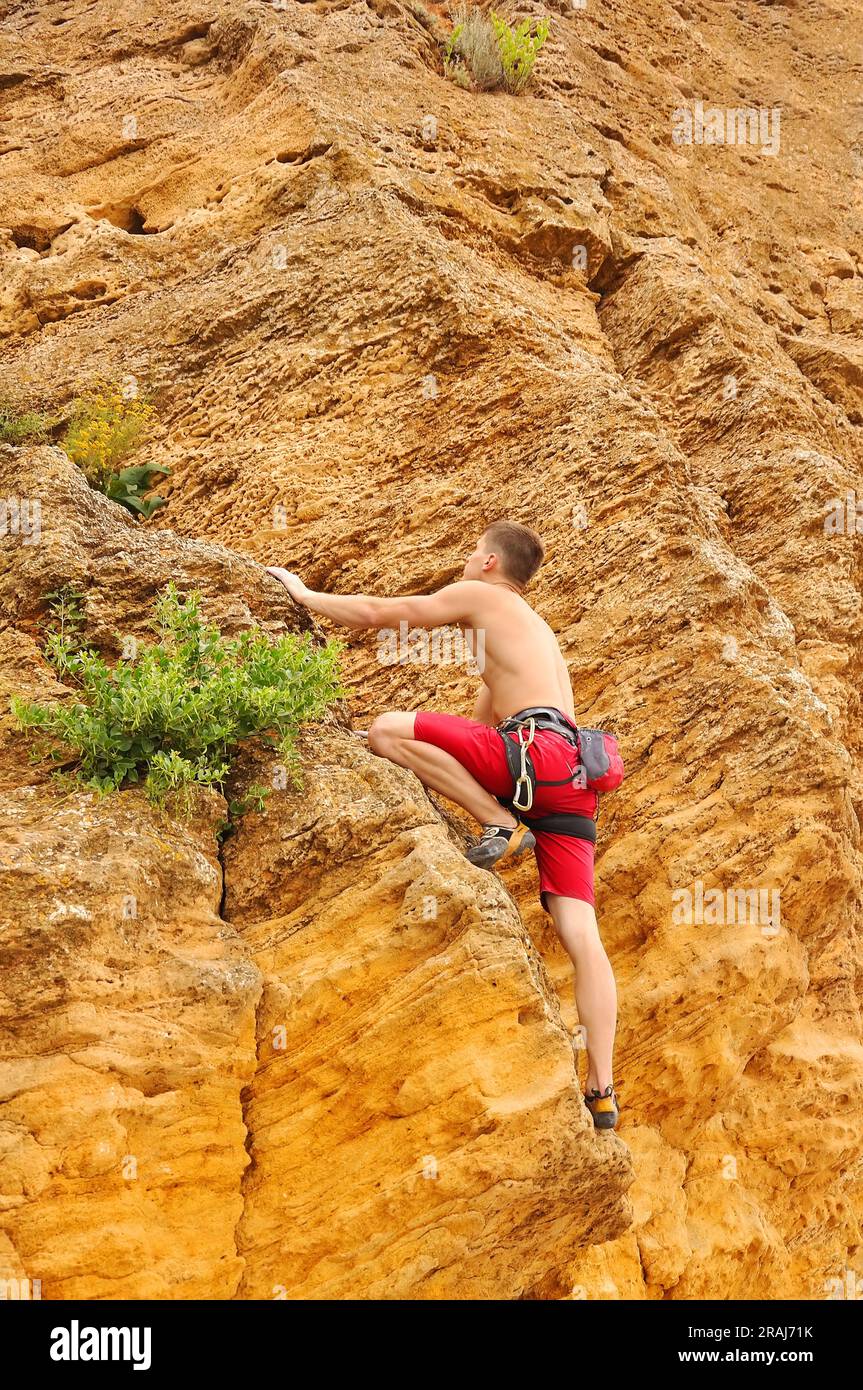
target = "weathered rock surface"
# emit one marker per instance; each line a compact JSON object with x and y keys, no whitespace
{"x":416,"y":1089}
{"x":128,"y":1033}
{"x":101,"y":552}
{"x":337,"y":1069}
{"x":370,"y":335}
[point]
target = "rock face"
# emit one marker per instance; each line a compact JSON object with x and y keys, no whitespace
{"x":344,"y":1018}
{"x":416,"y":1088}
{"x":129,"y":1027}
{"x":379,"y":311}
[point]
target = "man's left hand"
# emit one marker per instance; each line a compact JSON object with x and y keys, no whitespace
{"x":292,"y":582}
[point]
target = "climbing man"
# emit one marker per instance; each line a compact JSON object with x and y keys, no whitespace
{"x":522,"y":747}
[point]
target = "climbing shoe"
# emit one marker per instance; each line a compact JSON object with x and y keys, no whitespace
{"x":499,"y":842}
{"x":603,"y":1107}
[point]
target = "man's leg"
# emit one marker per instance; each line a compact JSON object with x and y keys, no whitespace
{"x":391,"y":736}
{"x":595,"y":992}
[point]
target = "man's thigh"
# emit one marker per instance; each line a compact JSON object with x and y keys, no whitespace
{"x":393,"y":724}
{"x":565,"y":867}
{"x":478,"y":747}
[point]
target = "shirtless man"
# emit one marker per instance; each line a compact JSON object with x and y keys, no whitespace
{"x":464,"y":759}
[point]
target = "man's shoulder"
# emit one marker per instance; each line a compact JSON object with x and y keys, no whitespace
{"x":495,"y":601}
{"x":473,"y":591}
{"x":491,"y":593}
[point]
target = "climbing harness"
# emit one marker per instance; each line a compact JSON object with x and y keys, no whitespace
{"x":600,"y":768}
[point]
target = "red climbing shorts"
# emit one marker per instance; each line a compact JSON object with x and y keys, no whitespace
{"x":565,"y":864}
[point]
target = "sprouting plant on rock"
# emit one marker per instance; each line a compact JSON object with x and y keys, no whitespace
{"x":128,"y":487}
{"x":451,"y":59}
{"x":173,"y":716}
{"x":64,"y":628}
{"x":108,"y":425}
{"x":519,"y":48}
{"x":22,"y":427}
{"x":486,"y":52}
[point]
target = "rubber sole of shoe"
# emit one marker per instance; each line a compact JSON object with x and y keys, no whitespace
{"x":489,"y":854}
{"x":604,"y":1119}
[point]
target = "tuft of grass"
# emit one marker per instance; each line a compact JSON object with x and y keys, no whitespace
{"x":473,"y":41}
{"x":172,"y":717}
{"x":486,"y":51}
{"x":19,"y":427}
{"x":424,"y":16}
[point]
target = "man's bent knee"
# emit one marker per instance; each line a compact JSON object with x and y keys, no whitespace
{"x":388,"y":727}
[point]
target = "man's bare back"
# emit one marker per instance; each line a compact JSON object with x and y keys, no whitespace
{"x":521,"y":662}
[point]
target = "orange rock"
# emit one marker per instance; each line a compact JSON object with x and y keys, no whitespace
{"x":378,"y":310}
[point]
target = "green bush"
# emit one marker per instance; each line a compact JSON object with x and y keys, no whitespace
{"x":519,"y":49}
{"x":19,"y":427}
{"x":173,"y":716}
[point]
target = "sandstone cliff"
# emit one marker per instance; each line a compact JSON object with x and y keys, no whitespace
{"x":329,"y":1063}
{"x":370,"y":333}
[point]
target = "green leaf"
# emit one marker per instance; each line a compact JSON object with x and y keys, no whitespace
{"x":134,"y":477}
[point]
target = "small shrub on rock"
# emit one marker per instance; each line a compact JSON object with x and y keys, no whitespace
{"x":172,"y":717}
{"x":485,"y":51}
{"x":105,"y":428}
{"x":22,"y":427}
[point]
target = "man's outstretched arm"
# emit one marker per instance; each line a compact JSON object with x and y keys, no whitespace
{"x":456,"y":603}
